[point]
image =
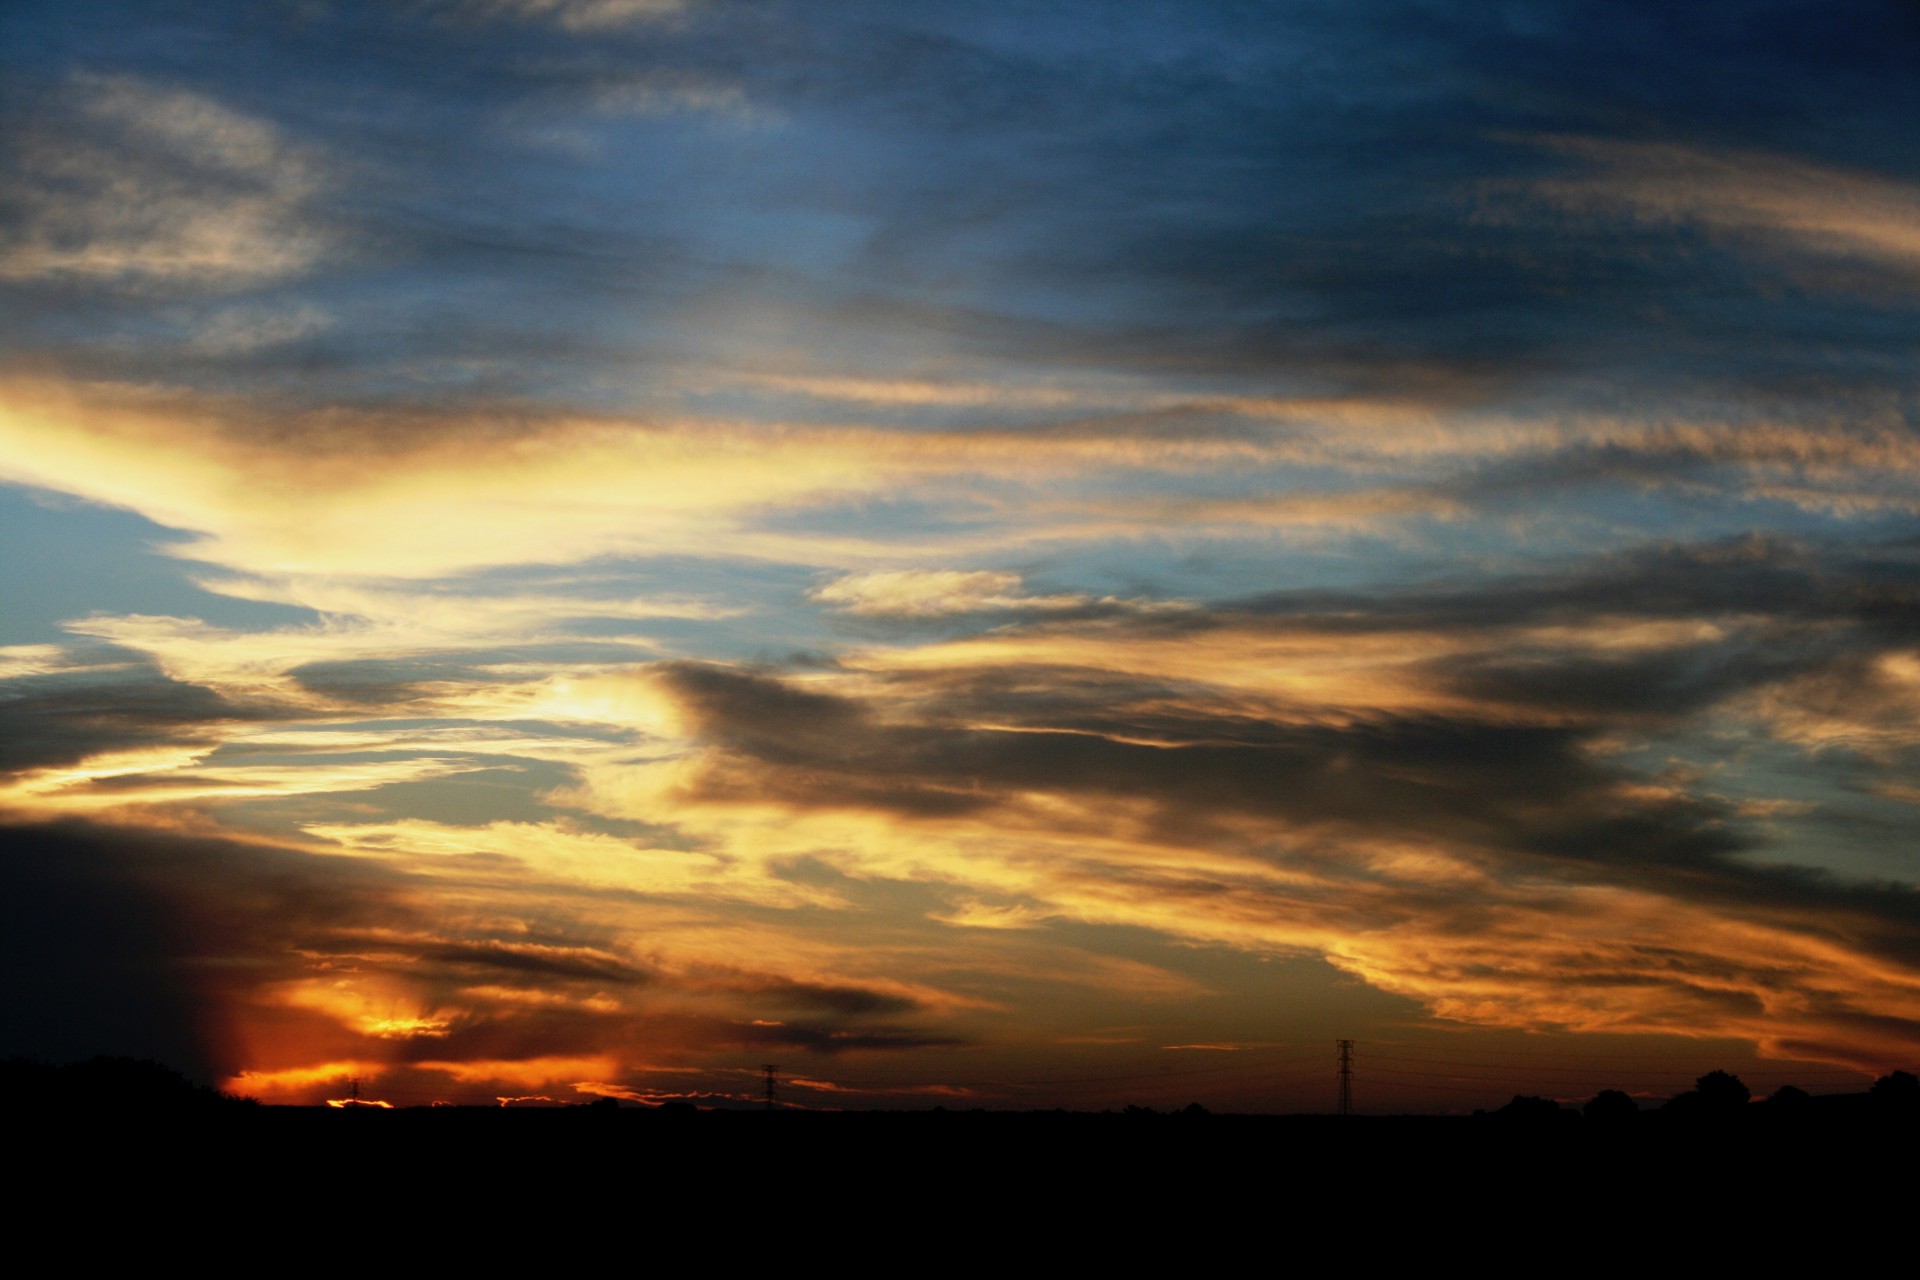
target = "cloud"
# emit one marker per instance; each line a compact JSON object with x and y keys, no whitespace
{"x":244,"y":330}
{"x":226,"y":954}
{"x":123,"y":779}
{"x":57,"y":722}
{"x":140,"y":185}
{"x":546,"y":858}
{"x":1808,"y":206}
{"x":1000,"y":394}
{"x":931,"y":593}
{"x":583,"y":15}
{"x":1426,"y":790}
{"x":145,"y":943}
{"x":1867,"y":704}
{"x":364,"y":626}
{"x":349,"y":513}
{"x":1060,"y":539}
{"x":372,"y":496}
{"x":657,"y":94}
{"x":41,"y":667}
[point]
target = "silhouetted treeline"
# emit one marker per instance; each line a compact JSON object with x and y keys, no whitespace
{"x":122,"y":1085}
{"x":1722,"y":1098}
{"x":126,"y":1087}
{"x":142,"y":1085}
{"x":129,"y":1133}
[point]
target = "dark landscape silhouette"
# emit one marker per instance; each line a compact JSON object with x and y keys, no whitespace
{"x":131,"y":1089}
{"x":125,"y":1133}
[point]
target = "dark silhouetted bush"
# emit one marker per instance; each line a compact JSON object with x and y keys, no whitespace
{"x":1610,"y":1105}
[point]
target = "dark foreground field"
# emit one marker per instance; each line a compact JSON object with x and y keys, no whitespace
{"x":920,"y":1186}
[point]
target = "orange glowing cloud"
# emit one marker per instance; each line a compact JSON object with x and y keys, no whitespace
{"x":1816,"y":206}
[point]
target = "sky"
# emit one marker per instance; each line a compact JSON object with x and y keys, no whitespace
{"x":986,"y":554}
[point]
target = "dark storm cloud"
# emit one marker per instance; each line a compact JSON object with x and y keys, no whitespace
{"x":93,"y":963}
{"x":122,"y":941}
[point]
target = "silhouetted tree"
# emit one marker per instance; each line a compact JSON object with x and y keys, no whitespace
{"x":1528,"y":1108}
{"x":1789,"y":1096}
{"x":1898,"y":1090}
{"x":1721,"y":1091}
{"x":1610,"y":1105}
{"x":126,"y":1085}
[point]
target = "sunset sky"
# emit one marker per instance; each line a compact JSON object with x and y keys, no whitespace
{"x":989,"y":554}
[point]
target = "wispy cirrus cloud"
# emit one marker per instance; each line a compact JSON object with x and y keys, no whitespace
{"x":132,"y":184}
{"x":582,"y":15}
{"x":1794,"y":203}
{"x":926,"y":593}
